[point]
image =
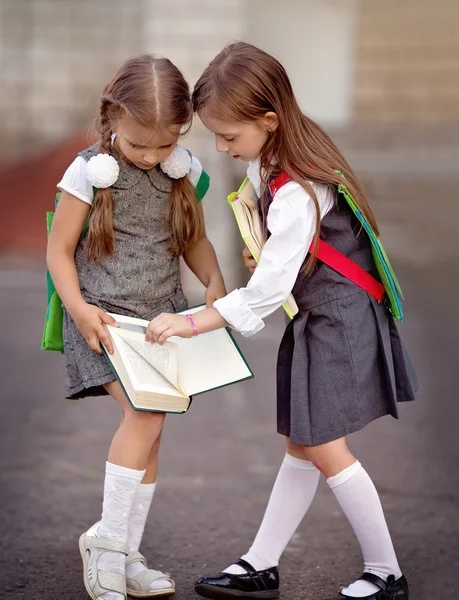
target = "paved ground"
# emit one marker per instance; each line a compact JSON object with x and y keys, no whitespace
{"x":219,"y":461}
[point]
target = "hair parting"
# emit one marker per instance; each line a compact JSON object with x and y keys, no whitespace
{"x":153,"y":92}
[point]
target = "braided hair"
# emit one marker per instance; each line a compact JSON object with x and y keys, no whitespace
{"x":153,"y":92}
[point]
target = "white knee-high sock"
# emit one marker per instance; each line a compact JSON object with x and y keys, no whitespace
{"x":137,"y":521}
{"x":291,"y":497}
{"x":120,"y":488}
{"x":360,"y":502}
{"x":139,"y":514}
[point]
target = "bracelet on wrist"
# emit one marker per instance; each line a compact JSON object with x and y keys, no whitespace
{"x":190,"y":319}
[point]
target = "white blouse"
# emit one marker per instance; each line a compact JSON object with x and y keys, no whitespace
{"x":291,"y":222}
{"x":75,"y":181}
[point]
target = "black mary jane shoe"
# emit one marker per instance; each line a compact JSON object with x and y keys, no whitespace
{"x":252,"y":584}
{"x":392,"y":589}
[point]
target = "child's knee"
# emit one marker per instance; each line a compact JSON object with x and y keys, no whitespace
{"x":144,"y":420}
{"x":319,"y":459}
{"x":295,"y":450}
{"x":330,"y":458}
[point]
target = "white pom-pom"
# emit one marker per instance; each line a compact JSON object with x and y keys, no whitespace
{"x":177,"y":164}
{"x":102,"y":170}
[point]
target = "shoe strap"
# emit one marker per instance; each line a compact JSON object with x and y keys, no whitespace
{"x":254,"y":574}
{"x":372,"y":578}
{"x":246,"y":566}
{"x":112,"y":582}
{"x":104,"y":544}
{"x":136,"y":556}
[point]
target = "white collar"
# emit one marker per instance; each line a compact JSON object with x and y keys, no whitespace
{"x":253,"y":173}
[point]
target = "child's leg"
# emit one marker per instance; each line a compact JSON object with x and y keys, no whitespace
{"x":127,"y":460}
{"x":291,"y":497}
{"x":143,"y":499}
{"x":138,"y":431}
{"x":360,"y":502}
{"x":138,"y":518}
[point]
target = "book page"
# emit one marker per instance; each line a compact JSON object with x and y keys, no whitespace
{"x":163,"y":358}
{"x":144,"y":376}
{"x":247,"y":193}
{"x":209,"y":360}
{"x":135,"y":373}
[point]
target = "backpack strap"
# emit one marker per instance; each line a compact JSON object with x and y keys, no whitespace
{"x":336,"y":259}
{"x":349,"y":269}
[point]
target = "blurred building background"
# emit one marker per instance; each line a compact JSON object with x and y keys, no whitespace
{"x":382,"y":76}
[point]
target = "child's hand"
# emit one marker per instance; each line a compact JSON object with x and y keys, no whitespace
{"x":215,"y":290}
{"x":165,"y":326}
{"x":249,"y":261}
{"x":89,"y":320}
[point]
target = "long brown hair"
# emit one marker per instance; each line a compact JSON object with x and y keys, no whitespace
{"x":153,"y":92}
{"x":242,"y":83}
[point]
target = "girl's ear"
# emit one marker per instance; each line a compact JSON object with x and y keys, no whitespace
{"x":271,"y":122}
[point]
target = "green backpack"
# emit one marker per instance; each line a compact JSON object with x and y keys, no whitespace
{"x":52,"y":331}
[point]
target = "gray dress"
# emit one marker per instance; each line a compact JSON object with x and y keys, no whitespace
{"x":341,"y":362}
{"x":141,"y":279}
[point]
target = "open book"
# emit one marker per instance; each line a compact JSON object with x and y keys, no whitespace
{"x":162,"y":378}
{"x":244,"y":203}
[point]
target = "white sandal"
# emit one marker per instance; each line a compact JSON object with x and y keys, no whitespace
{"x":96,"y":581}
{"x":139,"y":586}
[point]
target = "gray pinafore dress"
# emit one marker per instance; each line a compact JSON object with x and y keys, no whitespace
{"x":341,"y":362}
{"x":140,"y":279}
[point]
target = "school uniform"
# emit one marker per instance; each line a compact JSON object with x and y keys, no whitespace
{"x":341,"y":362}
{"x":140,"y":279}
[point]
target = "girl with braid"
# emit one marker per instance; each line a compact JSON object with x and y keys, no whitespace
{"x":141,"y":193}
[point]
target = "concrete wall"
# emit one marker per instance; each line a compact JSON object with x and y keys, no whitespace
{"x":54,"y":57}
{"x":407,"y":57}
{"x":315,"y":42}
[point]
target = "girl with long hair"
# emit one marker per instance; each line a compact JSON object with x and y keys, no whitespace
{"x":141,"y":193}
{"x":341,"y":363}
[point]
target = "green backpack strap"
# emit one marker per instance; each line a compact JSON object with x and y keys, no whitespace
{"x":202,"y":185}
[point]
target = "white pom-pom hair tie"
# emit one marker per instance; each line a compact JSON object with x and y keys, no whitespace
{"x":177,"y":164}
{"x":102,"y":170}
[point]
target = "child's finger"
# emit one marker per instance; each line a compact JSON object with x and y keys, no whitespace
{"x":159,"y":332}
{"x":93,"y":342}
{"x":246,"y":253}
{"x":103,"y":337}
{"x":150,"y":334}
{"x":105,"y":318}
{"x":165,"y":336}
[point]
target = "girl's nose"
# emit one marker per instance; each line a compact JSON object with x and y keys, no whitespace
{"x":149,"y":158}
{"x":221,"y":145}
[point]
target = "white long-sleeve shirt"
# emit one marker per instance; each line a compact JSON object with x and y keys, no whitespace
{"x":291,"y":222}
